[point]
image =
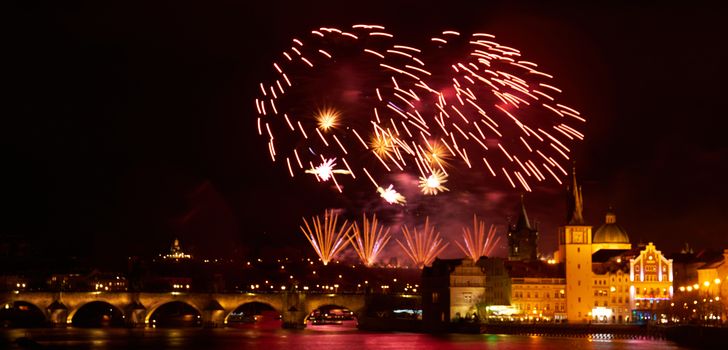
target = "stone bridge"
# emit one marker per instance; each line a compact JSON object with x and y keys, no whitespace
{"x":214,"y":308}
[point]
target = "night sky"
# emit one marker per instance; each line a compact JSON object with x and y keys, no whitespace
{"x":130,"y":124}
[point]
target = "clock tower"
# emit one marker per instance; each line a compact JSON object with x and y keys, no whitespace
{"x":575,"y":251}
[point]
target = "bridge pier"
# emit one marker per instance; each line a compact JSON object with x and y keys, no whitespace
{"x":213,"y":315}
{"x":57,"y":313}
{"x":294,"y":310}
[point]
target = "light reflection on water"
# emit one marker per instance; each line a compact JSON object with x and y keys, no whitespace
{"x":231,"y":338}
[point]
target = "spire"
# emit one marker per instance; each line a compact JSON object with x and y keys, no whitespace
{"x":522,"y":221}
{"x":575,"y":203}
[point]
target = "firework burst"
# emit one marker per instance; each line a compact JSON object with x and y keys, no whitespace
{"x":422,"y":247}
{"x":391,"y":196}
{"x":327,"y":118}
{"x":326,"y":238}
{"x":369,"y":241}
{"x":498,"y":112}
{"x":465,"y":103}
{"x":476,"y":242}
{"x":432,"y":184}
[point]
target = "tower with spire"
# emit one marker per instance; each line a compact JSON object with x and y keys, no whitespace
{"x":575,"y":251}
{"x":522,"y":237}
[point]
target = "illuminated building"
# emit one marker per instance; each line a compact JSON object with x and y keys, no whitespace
{"x":575,"y":250}
{"x":538,"y":291}
{"x":606,"y":280}
{"x":610,"y":235}
{"x":522,"y":238}
{"x":610,"y":286}
{"x":651,"y":277}
{"x":175,"y":252}
{"x":700,"y":295}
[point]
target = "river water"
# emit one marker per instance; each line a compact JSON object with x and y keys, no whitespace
{"x":231,"y":338}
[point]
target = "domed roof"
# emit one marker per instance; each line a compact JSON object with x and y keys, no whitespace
{"x":610,"y":232}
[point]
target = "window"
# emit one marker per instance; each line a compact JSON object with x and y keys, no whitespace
{"x":578,"y":266}
{"x":435,"y":297}
{"x":578,"y":283}
{"x":578,"y":250}
{"x":579,"y":300}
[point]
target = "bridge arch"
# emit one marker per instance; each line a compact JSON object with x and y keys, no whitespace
{"x":96,"y":313}
{"x":174,"y":313}
{"x":353,"y":303}
{"x":253,"y":312}
{"x":20,"y":313}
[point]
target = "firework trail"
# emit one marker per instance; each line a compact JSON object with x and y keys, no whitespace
{"x":369,"y":241}
{"x":422,"y":247}
{"x":476,"y":242}
{"x":327,"y":238}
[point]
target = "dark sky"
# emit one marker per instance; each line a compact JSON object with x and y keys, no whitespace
{"x":129,"y":124}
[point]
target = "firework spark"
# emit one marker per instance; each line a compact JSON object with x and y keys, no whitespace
{"x":422,"y":247}
{"x":391,"y":196}
{"x":369,"y":241}
{"x":432,"y":184}
{"x":476,"y":242}
{"x":327,"y":238}
{"x":326,"y":170}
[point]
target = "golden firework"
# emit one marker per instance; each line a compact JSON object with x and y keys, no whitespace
{"x":369,"y":241}
{"x":327,"y":118}
{"x":432,"y":184}
{"x":327,"y":239}
{"x":422,"y":247}
{"x":476,"y":242}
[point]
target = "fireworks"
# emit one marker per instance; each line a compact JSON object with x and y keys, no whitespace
{"x":327,"y":238}
{"x":391,"y":196}
{"x":327,"y":118}
{"x":422,"y":247}
{"x":477,"y":243}
{"x":432,"y":184}
{"x":369,"y":241}
{"x":467,"y":105}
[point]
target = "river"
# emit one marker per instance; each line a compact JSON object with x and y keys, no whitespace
{"x":231,"y":338}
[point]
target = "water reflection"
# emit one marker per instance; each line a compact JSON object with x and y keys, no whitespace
{"x":231,"y":338}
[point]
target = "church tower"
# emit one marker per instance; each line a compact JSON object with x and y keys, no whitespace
{"x":522,"y":238}
{"x":575,"y":250}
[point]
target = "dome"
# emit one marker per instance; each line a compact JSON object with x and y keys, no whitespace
{"x":610,"y":232}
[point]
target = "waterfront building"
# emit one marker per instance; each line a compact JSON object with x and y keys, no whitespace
{"x":651,"y":287}
{"x":597,"y":267}
{"x":455,"y":290}
{"x":538,"y":291}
